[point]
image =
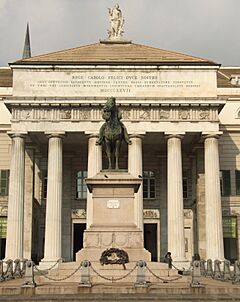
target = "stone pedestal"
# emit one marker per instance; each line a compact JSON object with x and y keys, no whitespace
{"x":113,"y":217}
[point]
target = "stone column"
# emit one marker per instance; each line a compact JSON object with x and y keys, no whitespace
{"x":214,"y":229}
{"x":36,"y":214}
{"x":94,"y":166}
{"x":53,"y":224}
{"x":14,"y":244}
{"x":135,"y":168}
{"x":28,"y":200}
{"x":176,"y":240}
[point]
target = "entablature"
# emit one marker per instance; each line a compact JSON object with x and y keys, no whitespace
{"x":90,"y":110}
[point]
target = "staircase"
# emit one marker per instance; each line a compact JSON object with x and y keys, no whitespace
{"x":71,"y":272}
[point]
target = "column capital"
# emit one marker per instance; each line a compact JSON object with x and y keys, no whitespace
{"x":55,"y":134}
{"x":137,"y":135}
{"x":91,"y":134}
{"x":216,"y":134}
{"x":13,"y":134}
{"x":174,"y":135}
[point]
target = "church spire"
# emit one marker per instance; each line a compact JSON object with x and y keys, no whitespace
{"x":27,"y":47}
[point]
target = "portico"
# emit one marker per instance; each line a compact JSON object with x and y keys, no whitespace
{"x":170,"y":150}
{"x":171,"y":111}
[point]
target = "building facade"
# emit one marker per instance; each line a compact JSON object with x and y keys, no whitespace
{"x":182,"y":114}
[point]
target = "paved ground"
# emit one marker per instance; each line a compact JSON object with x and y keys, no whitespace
{"x":71,"y":292}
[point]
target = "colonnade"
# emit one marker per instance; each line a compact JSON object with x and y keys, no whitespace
{"x":53,"y":227}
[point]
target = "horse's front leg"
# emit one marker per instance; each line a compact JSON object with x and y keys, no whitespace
{"x":117,"y":151}
{"x":108,"y":151}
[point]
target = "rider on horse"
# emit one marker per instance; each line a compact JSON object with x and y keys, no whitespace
{"x":106,"y":116}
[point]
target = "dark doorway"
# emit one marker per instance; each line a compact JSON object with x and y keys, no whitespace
{"x":78,"y":229}
{"x":3,"y":233}
{"x":2,"y":247}
{"x":230,"y":249}
{"x":150,"y":239}
{"x":230,"y":238}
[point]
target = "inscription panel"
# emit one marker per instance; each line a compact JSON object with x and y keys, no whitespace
{"x":171,"y":83}
{"x":113,"y":204}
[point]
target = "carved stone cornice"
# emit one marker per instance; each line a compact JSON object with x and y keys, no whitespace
{"x":79,"y":213}
{"x":151,"y":214}
{"x":188,"y":213}
{"x":3,"y":209}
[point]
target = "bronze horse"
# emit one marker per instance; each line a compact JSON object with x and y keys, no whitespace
{"x":112,"y":131}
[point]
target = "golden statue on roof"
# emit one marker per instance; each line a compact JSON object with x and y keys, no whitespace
{"x":116,"y":22}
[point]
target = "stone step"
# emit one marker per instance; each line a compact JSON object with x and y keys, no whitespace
{"x":97,"y":265}
{"x":95,"y":279}
{"x":110,"y":275}
{"x":71,"y":292}
{"x":71,"y":272}
{"x":163,"y":272}
{"x":123,"y":297}
{"x":213,"y":291}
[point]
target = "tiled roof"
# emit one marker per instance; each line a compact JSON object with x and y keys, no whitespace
{"x":6,"y":77}
{"x":110,"y":53}
{"x":224,"y":76}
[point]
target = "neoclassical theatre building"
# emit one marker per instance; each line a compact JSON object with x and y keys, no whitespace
{"x":183,"y":117}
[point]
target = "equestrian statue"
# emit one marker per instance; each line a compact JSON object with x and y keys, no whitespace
{"x":112,"y":132}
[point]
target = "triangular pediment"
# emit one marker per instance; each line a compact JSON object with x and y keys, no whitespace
{"x":111,"y":53}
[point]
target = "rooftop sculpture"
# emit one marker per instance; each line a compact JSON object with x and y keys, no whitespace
{"x":116,"y":22}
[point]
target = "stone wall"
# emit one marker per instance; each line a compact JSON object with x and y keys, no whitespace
{"x":230,"y":160}
{"x":5,"y":150}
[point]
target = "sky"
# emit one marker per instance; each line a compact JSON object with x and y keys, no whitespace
{"x":204,"y":28}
